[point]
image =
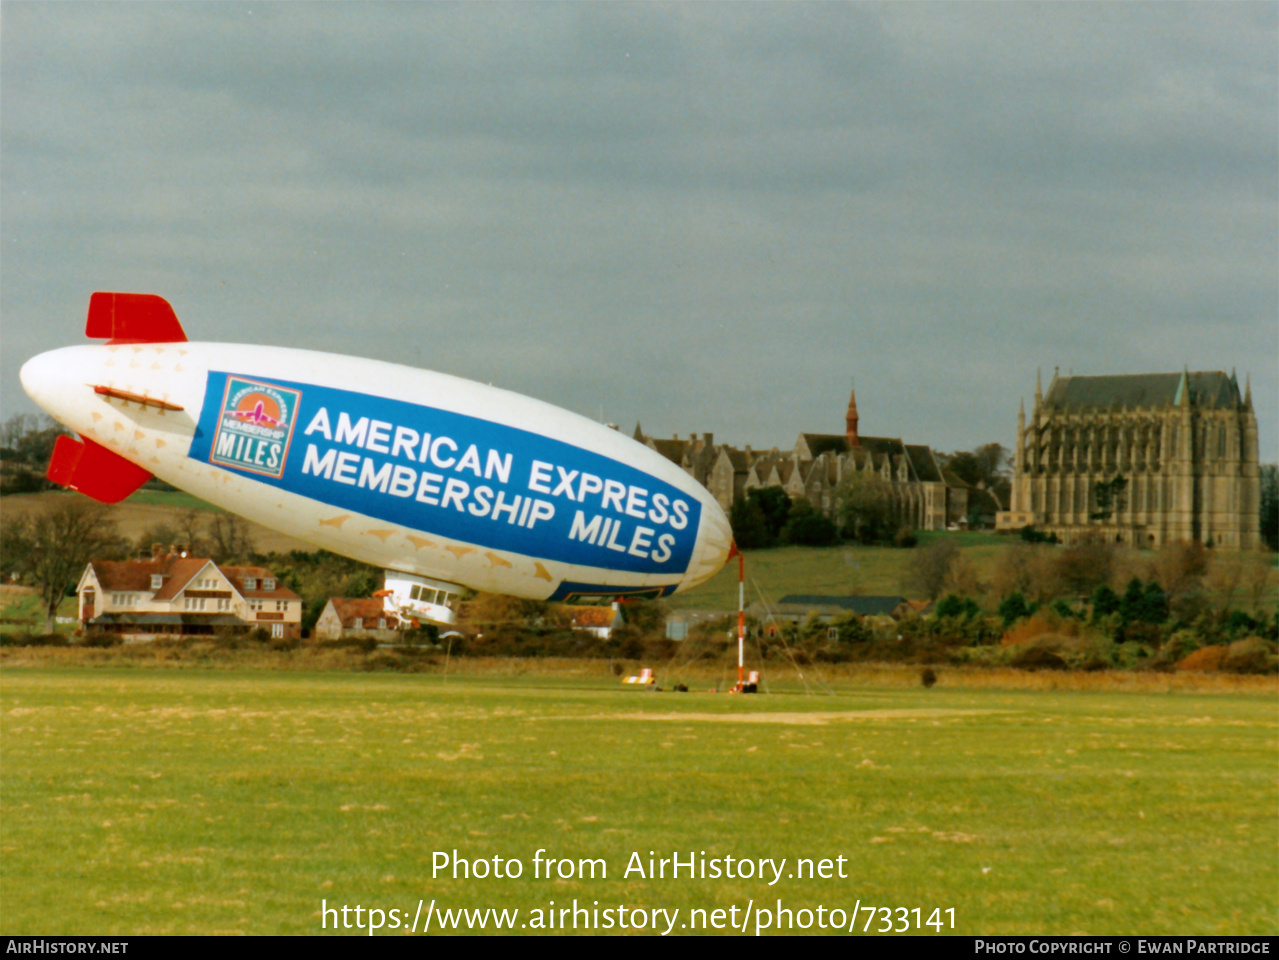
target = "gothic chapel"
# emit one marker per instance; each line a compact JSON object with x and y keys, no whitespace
{"x":1144,"y":459}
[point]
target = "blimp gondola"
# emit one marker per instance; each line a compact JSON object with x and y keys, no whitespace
{"x":447,"y":484}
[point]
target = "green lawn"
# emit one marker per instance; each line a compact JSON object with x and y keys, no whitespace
{"x":847,"y":569}
{"x":141,"y":801}
{"x":177,"y":499}
{"x":25,"y":613}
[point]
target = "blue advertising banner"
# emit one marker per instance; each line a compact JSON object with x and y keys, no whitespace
{"x":457,"y":476}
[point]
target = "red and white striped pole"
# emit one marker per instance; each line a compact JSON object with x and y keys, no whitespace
{"x":741,"y":619}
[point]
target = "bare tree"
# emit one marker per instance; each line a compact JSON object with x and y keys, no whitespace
{"x":229,"y":537}
{"x":52,"y":548}
{"x":930,"y":567}
{"x":1180,"y":568}
{"x":1086,"y":566}
{"x":189,"y":525}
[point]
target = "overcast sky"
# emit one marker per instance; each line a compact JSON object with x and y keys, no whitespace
{"x":709,"y":217}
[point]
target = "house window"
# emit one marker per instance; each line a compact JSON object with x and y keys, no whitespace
{"x":358,"y":623}
{"x":381,"y":623}
{"x":250,"y":583}
{"x":268,"y":583}
{"x":832,"y":633}
{"x":157,"y":581}
{"x":277,"y":630}
{"x":281,"y":605}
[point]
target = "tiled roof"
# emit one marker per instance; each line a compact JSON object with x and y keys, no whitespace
{"x":178,"y":572}
{"x":819,"y":443}
{"x":925,"y":465}
{"x":882,"y":445}
{"x":863,"y":606}
{"x":1142,"y":390}
{"x":126,"y":574}
{"x":369,"y":610}
{"x":136,"y":574}
{"x":237,"y":575}
{"x":672,"y":450}
{"x":738,"y":458}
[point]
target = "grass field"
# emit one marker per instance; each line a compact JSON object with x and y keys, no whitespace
{"x":845,"y":570}
{"x":173,"y":499}
{"x":22,"y":611}
{"x":181,"y":801}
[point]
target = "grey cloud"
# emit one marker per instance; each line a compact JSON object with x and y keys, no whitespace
{"x":701,"y":215}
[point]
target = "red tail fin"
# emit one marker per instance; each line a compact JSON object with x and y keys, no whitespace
{"x":94,"y":470}
{"x":133,"y":318}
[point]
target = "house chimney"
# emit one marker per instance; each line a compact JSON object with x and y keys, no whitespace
{"x":850,"y":421}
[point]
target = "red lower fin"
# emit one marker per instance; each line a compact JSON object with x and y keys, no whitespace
{"x":133,"y":318}
{"x":93,"y":470}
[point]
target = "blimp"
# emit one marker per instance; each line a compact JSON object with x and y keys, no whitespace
{"x":447,"y":484}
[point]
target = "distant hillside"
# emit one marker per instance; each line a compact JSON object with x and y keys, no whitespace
{"x":850,"y":569}
{"x":148,"y":509}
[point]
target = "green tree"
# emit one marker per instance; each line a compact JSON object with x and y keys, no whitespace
{"x":750,"y":528}
{"x":29,"y":439}
{"x":806,"y":527}
{"x":1109,"y":496}
{"x":865,"y":506}
{"x":988,"y":465}
{"x":1104,"y":602}
{"x":775,"y":504}
{"x":26,"y":444}
{"x":956,"y":606}
{"x":1270,"y":505}
{"x":1154,"y":604}
{"x":1013,"y":608}
{"x":1132,"y":603}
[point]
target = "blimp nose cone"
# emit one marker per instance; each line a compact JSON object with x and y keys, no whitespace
{"x":714,"y":543}
{"x":50,"y":380}
{"x":40,"y":377}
